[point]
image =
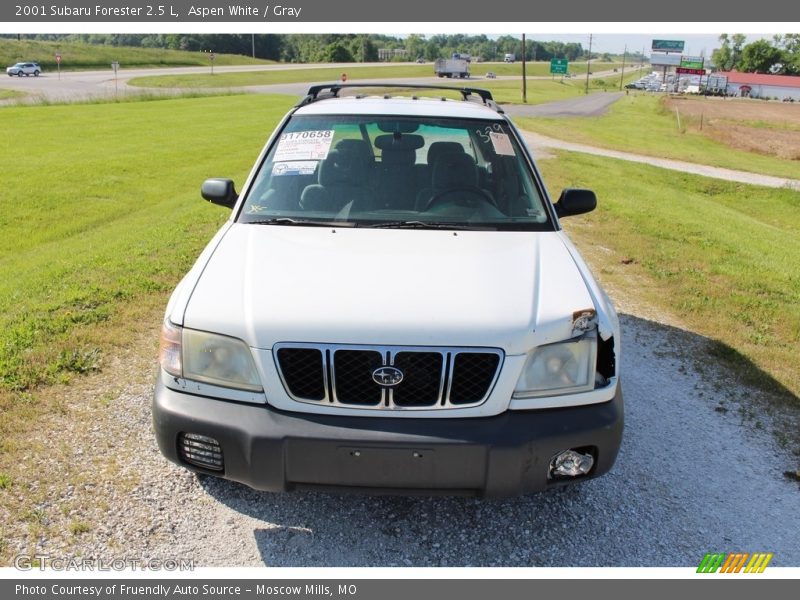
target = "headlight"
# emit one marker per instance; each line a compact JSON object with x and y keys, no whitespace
{"x":208,"y":357}
{"x":562,"y":368}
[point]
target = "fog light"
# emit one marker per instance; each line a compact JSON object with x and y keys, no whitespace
{"x":201,"y":451}
{"x":571,"y":464}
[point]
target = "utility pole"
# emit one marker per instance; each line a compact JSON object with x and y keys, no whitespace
{"x":254,"y":45}
{"x":622,"y":76}
{"x":588,"y":64}
{"x":524,"y":81}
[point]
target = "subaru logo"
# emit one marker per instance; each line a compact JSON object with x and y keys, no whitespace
{"x":387,"y":376}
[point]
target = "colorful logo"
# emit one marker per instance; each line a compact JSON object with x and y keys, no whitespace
{"x":735,"y":562}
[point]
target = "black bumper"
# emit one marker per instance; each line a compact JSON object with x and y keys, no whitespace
{"x":273,"y":450}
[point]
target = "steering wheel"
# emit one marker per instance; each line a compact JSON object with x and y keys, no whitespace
{"x":476,"y":192}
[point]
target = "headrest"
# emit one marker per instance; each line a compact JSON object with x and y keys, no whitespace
{"x":359,"y":149}
{"x":343,"y":167}
{"x":436,"y":149}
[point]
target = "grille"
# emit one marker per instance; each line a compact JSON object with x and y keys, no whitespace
{"x":200,"y":450}
{"x":431,"y":377}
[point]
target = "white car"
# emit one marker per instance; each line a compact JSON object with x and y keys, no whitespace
{"x":24,"y":68}
{"x":392,"y":306}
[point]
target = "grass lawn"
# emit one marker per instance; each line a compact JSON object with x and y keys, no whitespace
{"x":102,"y":217}
{"x":641,"y":124}
{"x":721,"y":257}
{"x":11,"y":94}
{"x":504,"y":90}
{"x":78,"y":56}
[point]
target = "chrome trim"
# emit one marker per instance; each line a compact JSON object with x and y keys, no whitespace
{"x":388,"y":354}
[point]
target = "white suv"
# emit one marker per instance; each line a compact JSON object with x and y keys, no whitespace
{"x":392,"y":305}
{"x":22,"y":68}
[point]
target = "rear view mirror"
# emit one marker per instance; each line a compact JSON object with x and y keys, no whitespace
{"x":575,"y":201}
{"x":219,"y":191}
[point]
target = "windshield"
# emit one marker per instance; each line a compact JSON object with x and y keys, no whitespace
{"x":374,"y":171}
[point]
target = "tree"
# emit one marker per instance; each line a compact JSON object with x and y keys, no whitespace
{"x":759,"y":57}
{"x":722,"y":57}
{"x":337,"y":52}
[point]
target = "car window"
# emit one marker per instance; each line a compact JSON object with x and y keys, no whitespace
{"x":372,"y":170}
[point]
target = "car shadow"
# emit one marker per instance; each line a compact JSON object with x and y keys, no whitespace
{"x":657,"y":506}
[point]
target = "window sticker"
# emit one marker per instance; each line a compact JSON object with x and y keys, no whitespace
{"x":304,"y":145}
{"x":502,"y":145}
{"x":294,"y":167}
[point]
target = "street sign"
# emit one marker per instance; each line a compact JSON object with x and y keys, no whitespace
{"x":717,"y":82}
{"x":115,"y":66}
{"x":692,"y":62}
{"x":559,"y":66}
{"x":58,"y":59}
{"x":212,"y":56}
{"x":688,"y":71}
{"x":667,"y":46}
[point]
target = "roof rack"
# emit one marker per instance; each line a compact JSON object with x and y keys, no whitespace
{"x":323,"y":91}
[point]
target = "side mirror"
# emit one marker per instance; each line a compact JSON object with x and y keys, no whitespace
{"x":219,"y":191}
{"x":575,"y":201}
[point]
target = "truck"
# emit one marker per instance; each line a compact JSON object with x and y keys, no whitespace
{"x":451,"y":67}
{"x":509,"y":58}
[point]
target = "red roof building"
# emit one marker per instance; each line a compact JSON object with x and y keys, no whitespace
{"x":790,"y":81}
{"x":759,"y":85}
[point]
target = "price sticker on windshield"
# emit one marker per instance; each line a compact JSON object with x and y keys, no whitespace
{"x":304,"y":145}
{"x":501,"y":143}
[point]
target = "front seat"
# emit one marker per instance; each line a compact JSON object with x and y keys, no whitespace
{"x":344,"y":176}
{"x":454,"y":179}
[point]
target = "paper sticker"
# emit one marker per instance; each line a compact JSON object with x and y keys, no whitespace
{"x":304,"y":145}
{"x":294,"y":167}
{"x":502,"y":145}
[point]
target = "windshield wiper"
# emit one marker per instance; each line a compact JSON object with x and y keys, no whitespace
{"x":305,"y":222}
{"x":428,"y":225}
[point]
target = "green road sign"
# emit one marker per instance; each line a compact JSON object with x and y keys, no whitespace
{"x":667,"y":46}
{"x":559,"y":66}
{"x":692,"y":62}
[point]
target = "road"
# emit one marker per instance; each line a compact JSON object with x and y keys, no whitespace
{"x":83,"y":85}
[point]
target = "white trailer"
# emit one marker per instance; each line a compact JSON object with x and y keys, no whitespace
{"x":451,"y":67}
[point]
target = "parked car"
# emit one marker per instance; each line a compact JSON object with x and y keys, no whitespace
{"x":392,"y":306}
{"x":491,"y":75}
{"x":24,"y":68}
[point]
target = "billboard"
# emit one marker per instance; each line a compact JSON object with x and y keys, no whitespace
{"x":689,"y":71}
{"x":667,"y":46}
{"x":665,"y":60}
{"x":692,"y":62}
{"x":717,"y":82}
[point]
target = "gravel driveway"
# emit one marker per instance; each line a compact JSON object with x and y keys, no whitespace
{"x":698,"y":472}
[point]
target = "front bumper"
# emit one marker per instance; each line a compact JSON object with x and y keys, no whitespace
{"x":273,"y":450}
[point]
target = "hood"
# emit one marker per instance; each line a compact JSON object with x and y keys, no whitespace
{"x":267,"y":284}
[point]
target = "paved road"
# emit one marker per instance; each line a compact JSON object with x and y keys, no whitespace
{"x":592,"y":105}
{"x":539,"y":143}
{"x":83,"y":85}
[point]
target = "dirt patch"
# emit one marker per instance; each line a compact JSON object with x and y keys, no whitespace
{"x":769,"y":128}
{"x":776,"y":113}
{"x":772,"y":142}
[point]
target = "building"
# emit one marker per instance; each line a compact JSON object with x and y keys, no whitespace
{"x":757,"y":85}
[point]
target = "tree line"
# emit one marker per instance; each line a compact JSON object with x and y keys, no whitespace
{"x":780,"y":56}
{"x":303,"y":48}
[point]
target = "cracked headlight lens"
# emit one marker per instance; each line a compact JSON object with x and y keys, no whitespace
{"x":562,"y":368}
